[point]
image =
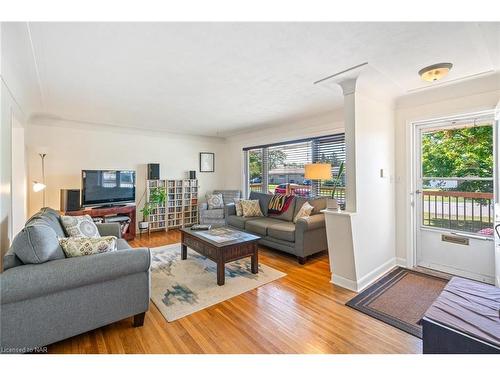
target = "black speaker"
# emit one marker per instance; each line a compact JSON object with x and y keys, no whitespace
{"x":192,"y":175}
{"x":153,"y":171}
{"x":70,"y":200}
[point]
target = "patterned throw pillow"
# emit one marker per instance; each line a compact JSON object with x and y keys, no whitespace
{"x":251,"y":208}
{"x":239,"y":208}
{"x":305,"y":211}
{"x":215,"y":201}
{"x":80,"y":246}
{"x":80,"y":226}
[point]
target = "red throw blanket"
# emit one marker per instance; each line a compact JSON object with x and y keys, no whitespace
{"x":279,"y":204}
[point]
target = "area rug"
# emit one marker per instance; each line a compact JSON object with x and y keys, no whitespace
{"x":182,"y":287}
{"x":400,"y":298}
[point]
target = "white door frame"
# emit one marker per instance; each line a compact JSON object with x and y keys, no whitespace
{"x":411,"y":253}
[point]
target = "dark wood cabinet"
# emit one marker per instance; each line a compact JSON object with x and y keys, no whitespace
{"x":128,"y":210}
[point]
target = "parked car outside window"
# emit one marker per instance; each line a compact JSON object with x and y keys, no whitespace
{"x":294,"y":190}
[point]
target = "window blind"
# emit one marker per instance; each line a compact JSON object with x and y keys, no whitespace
{"x":330,"y":149}
{"x":274,"y":167}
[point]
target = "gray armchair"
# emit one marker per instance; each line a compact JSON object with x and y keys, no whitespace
{"x":216,"y":217}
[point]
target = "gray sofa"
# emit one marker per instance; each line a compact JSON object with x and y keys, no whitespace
{"x":215,"y":217}
{"x":54,"y":297}
{"x":304,"y":238}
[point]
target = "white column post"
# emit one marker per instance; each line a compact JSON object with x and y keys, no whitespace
{"x":349,"y":90}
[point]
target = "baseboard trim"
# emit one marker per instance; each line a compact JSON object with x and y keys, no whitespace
{"x":370,"y":277}
{"x":401,"y":262}
{"x":362,"y":283}
{"x":343,"y":282}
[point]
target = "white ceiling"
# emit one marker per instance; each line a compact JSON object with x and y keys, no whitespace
{"x":217,"y":78}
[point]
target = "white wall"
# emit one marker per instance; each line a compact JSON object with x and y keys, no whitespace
{"x":375,"y":195}
{"x":19,"y":177}
{"x":71,"y":147}
{"x":9,"y":109}
{"x":18,"y":97}
{"x":326,"y":124}
{"x":5,"y":168}
{"x":466,"y":97}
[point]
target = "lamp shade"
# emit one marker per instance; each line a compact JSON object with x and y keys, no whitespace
{"x":318,"y":171}
{"x":38,"y":186}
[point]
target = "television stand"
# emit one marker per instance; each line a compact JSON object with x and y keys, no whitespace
{"x":103,"y":212}
{"x":109,"y":206}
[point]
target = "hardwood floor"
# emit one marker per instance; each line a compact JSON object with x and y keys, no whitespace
{"x":299,"y":313}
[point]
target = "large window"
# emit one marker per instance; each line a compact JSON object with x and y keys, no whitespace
{"x":279,"y":168}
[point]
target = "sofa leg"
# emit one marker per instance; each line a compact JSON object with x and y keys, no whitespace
{"x":302,"y":260}
{"x":139,"y":319}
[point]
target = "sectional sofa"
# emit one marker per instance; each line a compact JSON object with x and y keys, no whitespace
{"x":305,"y":237}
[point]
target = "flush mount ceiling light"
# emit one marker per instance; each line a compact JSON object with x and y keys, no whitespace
{"x":435,"y":72}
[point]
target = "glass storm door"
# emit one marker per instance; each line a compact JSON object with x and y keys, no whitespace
{"x":455,"y":197}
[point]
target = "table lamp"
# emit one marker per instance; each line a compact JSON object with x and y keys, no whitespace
{"x":320,"y":171}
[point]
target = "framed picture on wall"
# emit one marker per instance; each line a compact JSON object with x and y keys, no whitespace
{"x":207,"y":162}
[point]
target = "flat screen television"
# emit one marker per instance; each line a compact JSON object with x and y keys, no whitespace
{"x":107,"y":187}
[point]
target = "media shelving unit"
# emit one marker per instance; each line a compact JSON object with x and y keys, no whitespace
{"x":190,"y":202}
{"x":157,"y":218}
{"x":181,"y":205}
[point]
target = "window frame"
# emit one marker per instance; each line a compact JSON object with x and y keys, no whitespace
{"x":264,"y":149}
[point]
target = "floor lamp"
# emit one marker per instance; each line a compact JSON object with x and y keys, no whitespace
{"x":40,"y":186}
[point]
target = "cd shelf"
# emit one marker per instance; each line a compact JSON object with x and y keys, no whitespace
{"x":180,"y":208}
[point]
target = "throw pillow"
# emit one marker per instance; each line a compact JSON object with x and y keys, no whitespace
{"x":80,"y":246}
{"x":239,"y":209}
{"x":305,"y":211}
{"x":80,"y":226}
{"x":251,"y":208}
{"x":215,"y":201}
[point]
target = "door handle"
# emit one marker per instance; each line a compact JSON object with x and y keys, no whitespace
{"x":497,"y":230}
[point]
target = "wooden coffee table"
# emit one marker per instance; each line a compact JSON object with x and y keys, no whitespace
{"x":237,"y":245}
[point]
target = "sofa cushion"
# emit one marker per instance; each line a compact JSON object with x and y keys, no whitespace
{"x":217,"y":213}
{"x":37,"y":244}
{"x":319,"y":203}
{"x":50,"y":217}
{"x":122,"y":244}
{"x":263,"y":199}
{"x":283,"y":231}
{"x":238,"y":221}
{"x":282,"y":207}
{"x":11,"y":260}
{"x":80,"y":226}
{"x":260,"y":225}
{"x":81,"y":246}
